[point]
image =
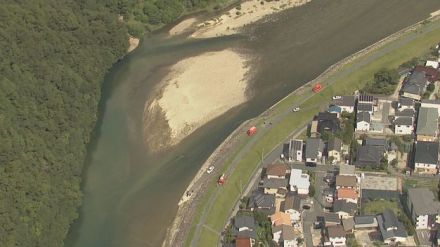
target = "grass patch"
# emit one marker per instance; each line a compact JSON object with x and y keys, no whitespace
{"x":377,"y":207}
{"x":430,"y":183}
{"x":349,"y":78}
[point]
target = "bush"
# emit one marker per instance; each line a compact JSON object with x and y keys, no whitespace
{"x":430,"y":87}
{"x":384,"y":82}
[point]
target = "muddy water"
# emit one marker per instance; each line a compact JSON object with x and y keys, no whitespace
{"x":131,"y":195}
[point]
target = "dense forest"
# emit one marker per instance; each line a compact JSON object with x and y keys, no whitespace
{"x":54,"y":56}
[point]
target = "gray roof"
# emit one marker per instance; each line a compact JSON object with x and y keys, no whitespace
{"x":403,"y":121}
{"x":368,"y":155}
{"x":288,"y":232}
{"x":274,"y":183}
{"x":405,"y":113}
{"x":377,"y":142}
{"x":348,"y":224}
{"x":246,"y":234}
{"x":313,"y":146}
{"x":406,"y":102}
{"x":335,"y":231}
{"x":366,"y":98}
{"x":415,"y":83}
{"x":427,"y":122}
{"x":431,"y":101}
{"x":423,"y":201}
{"x":346,"y":169}
{"x":345,"y":101}
{"x":261,"y":200}
{"x":244,"y":221}
{"x":363,"y":116}
{"x":331,"y":217}
{"x":389,"y":226}
{"x":291,"y":202}
{"x":364,"y":219}
{"x":426,"y":152}
{"x":335,"y":144}
{"x":364,"y":107}
{"x":343,"y":206}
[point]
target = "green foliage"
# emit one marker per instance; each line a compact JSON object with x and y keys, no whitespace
{"x":55,"y":54}
{"x":385,"y":82}
{"x":430,"y":87}
{"x":347,"y":130}
{"x":411,"y":63}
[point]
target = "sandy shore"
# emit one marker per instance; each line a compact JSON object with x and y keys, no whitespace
{"x":249,"y":12}
{"x":132,"y":43}
{"x":199,"y":89}
{"x":183,"y":26}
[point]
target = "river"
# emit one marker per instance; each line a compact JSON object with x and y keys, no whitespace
{"x":131,"y":195}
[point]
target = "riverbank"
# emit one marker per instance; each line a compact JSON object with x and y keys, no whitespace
{"x":196,"y":90}
{"x":234,"y":19}
{"x":345,"y":84}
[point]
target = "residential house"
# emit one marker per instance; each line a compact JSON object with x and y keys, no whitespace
{"x":347,"y":170}
{"x":365,"y":107}
{"x":327,"y":122}
{"x":244,"y":242}
{"x":423,"y":207}
{"x":294,"y":150}
{"x":368,"y":156}
{"x":366,"y":99}
{"x":335,"y":109}
{"x":299,"y":182}
{"x":285,"y":235}
{"x":334,"y":149}
{"x":431,"y":73}
{"x":344,"y":209}
{"x":346,"y":181}
{"x":275,"y":186}
{"x":405,"y":113}
{"x":377,"y":142}
{"x":329,"y":219}
{"x":379,"y":187}
{"x":365,"y":222}
{"x":314,"y":150}
{"x":426,"y":158}
{"x":335,"y":235}
{"x":427,"y":124}
{"x":314,"y":129}
{"x":405,"y":103}
{"x":262,"y":202}
{"x":280,"y":218}
{"x":392,"y":230}
{"x":414,"y":85}
{"x":276,"y":170}
{"x":346,"y":103}
{"x":363,"y":121}
{"x":292,"y":206}
{"x":431,"y":103}
{"x":349,"y":195}
{"x":244,"y":226}
{"x":348,"y":224}
{"x":431,"y":63}
{"x":403,"y":126}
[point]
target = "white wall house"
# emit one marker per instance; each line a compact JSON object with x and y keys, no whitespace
{"x":363,"y":121}
{"x":299,"y":182}
{"x":403,"y":126}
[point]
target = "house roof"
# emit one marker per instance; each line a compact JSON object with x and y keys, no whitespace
{"x":280,"y":218}
{"x":346,"y":193}
{"x":346,"y":181}
{"x":244,"y":221}
{"x":415,"y":83}
{"x":389,"y":226}
{"x":288,"y":232}
{"x":378,"y":142}
{"x":334,"y":144}
{"x":366,"y":98}
{"x":335,"y":231}
{"x":322,"y":116}
{"x":426,"y":152}
{"x":368,"y":155}
{"x":406,"y":102}
{"x":348,"y":101}
{"x":430,"y":73}
{"x":298,"y":179}
{"x":346,"y":169}
{"x":243,"y":242}
{"x":365,"y":220}
{"x":348,"y":224}
{"x":244,"y":234}
{"x":313,"y":147}
{"x":277,"y":169}
{"x":334,"y":108}
{"x":331,"y":217}
{"x":343,"y":206}
{"x":403,"y":121}
{"x":427,"y":122}
{"x":363,"y":117}
{"x":405,"y":113}
{"x":423,"y":201}
{"x":431,"y":101}
{"x":364,"y":107}
{"x":274,"y":183}
{"x":292,"y":202}
{"x":297,"y":144}
{"x":261,"y":200}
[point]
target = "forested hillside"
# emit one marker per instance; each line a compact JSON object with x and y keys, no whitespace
{"x":53,"y":56}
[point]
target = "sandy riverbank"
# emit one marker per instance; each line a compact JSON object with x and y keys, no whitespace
{"x":133,"y":43}
{"x":183,"y":26}
{"x":197,"y":90}
{"x":249,"y":12}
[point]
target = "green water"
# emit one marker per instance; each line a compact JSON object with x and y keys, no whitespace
{"x":130,"y":195}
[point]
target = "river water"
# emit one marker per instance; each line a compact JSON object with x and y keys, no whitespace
{"x":131,"y":195}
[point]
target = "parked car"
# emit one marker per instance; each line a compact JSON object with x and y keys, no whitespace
{"x":295,"y":109}
{"x":337,"y":97}
{"x":210,"y":169}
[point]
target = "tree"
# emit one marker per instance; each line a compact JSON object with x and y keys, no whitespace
{"x":430,"y":87}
